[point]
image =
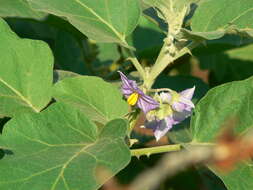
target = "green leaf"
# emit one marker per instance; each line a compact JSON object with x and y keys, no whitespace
{"x":25,"y":73}
{"x":230,"y":65}
{"x":60,"y":75}
{"x":18,"y":8}
{"x":61,"y":149}
{"x":100,"y":20}
{"x":199,"y":36}
{"x":213,"y":19}
{"x":242,"y":53}
{"x":158,"y":3}
{"x":225,"y":43}
{"x":225,"y":105}
{"x":107,"y":59}
{"x":99,"y":100}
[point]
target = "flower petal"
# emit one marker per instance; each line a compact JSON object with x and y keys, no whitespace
{"x":187,"y":102}
{"x":146,"y":103}
{"x":178,"y":106}
{"x":163,"y":128}
{"x":160,"y":127}
{"x":184,"y":102}
{"x":128,"y":86}
{"x":188,"y":93}
{"x":180,"y":116}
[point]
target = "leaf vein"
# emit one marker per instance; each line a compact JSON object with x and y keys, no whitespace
{"x":20,"y":95}
{"x":102,"y":20}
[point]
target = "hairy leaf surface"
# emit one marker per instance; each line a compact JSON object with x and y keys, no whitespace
{"x":101,"y":101}
{"x":61,"y":149}
{"x":26,"y":73}
{"x":213,"y":19}
{"x":100,"y":20}
{"x":18,"y":8}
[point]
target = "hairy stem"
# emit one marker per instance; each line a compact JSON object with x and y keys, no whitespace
{"x":164,"y":59}
{"x":155,"y":150}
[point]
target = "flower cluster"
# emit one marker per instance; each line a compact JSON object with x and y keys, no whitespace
{"x":164,"y":110}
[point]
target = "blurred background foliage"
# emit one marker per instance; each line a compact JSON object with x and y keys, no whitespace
{"x":213,"y":63}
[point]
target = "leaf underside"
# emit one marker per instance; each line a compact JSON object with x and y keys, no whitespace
{"x":213,"y":19}
{"x":100,"y":20}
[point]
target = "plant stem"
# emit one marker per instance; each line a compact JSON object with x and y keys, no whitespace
{"x":132,"y":124}
{"x":136,"y":64}
{"x":164,"y":59}
{"x":155,"y":150}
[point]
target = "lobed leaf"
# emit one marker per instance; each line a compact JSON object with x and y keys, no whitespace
{"x":61,"y":149}
{"x":23,"y":65}
{"x":99,"y":100}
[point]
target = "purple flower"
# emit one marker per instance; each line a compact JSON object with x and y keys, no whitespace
{"x":160,"y":127}
{"x":182,"y":105}
{"x":183,"y":101}
{"x":174,"y":108}
{"x":136,"y":96}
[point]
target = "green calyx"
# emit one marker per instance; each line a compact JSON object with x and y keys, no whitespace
{"x":160,"y":113}
{"x":174,"y":97}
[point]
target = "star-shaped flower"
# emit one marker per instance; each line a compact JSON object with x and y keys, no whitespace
{"x":174,"y":108}
{"x":136,"y":96}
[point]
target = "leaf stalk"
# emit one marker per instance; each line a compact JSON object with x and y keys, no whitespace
{"x":155,"y":150}
{"x":136,"y":64}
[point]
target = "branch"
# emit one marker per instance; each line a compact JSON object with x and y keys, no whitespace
{"x":155,"y":150}
{"x":165,"y":59}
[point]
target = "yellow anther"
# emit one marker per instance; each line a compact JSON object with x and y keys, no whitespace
{"x":132,"y":99}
